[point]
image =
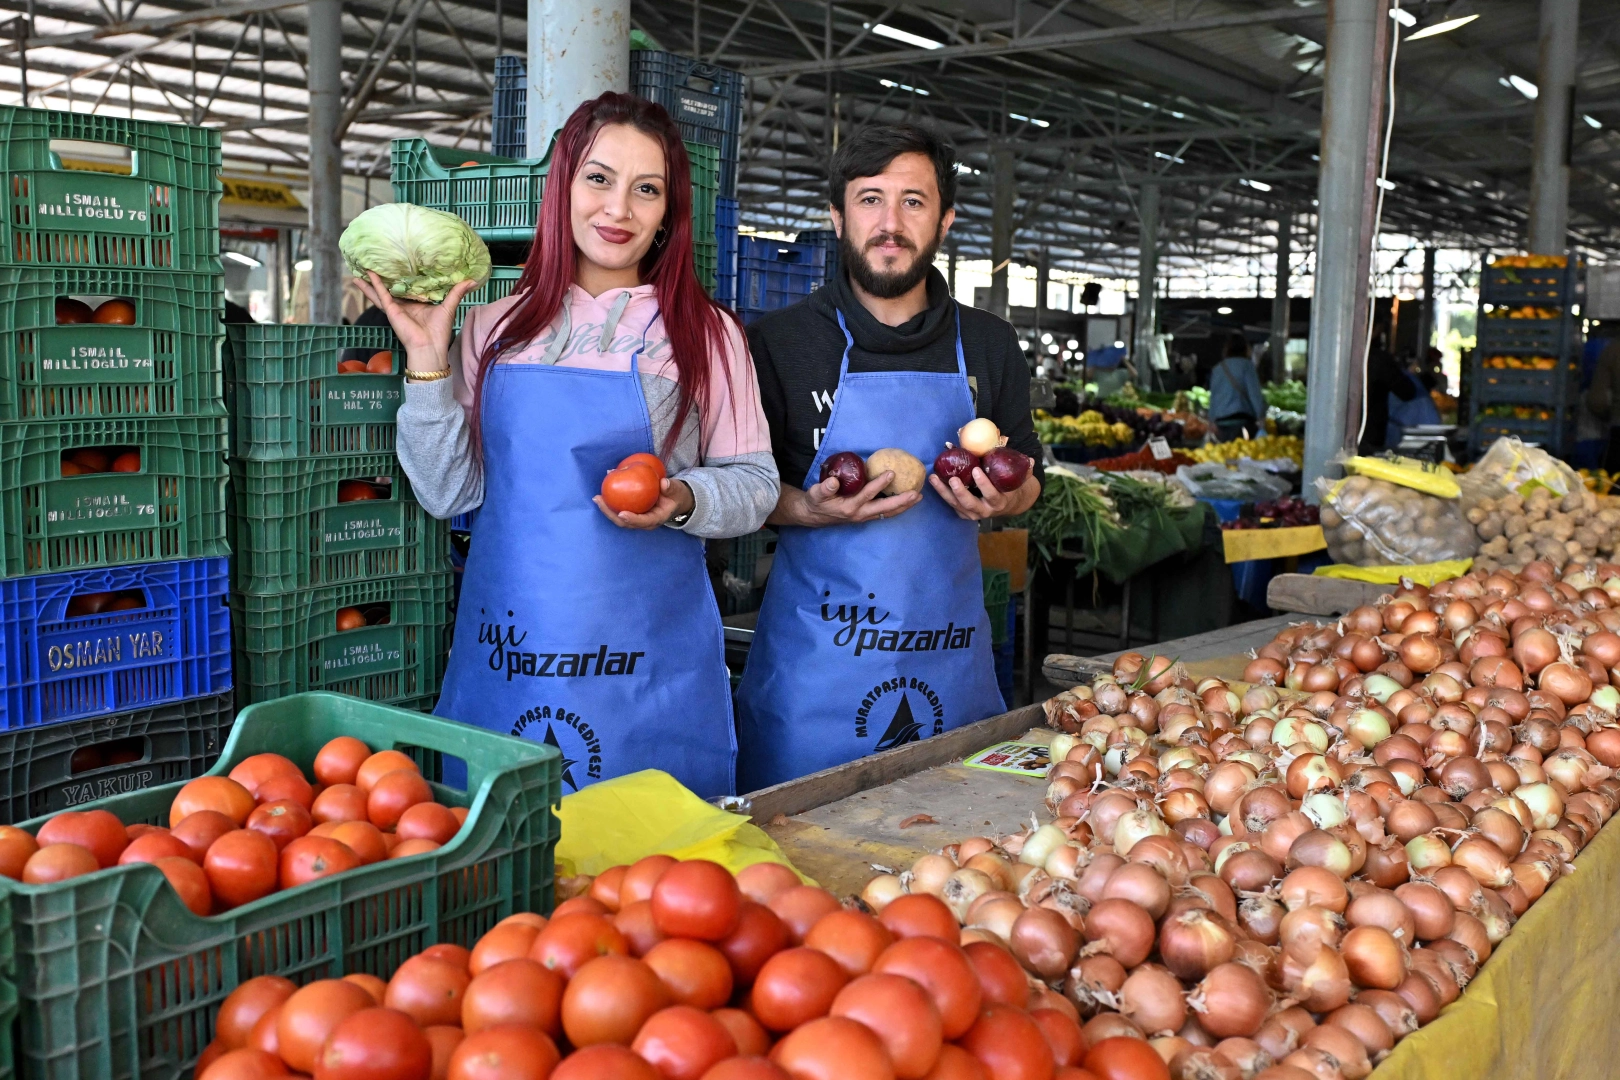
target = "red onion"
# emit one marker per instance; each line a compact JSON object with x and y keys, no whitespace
{"x":956,"y":462}
{"x":1006,"y":468}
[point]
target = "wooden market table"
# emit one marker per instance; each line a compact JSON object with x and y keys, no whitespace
{"x":1541,"y":1008}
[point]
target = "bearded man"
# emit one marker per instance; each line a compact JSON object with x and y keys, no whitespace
{"x":873,"y":631}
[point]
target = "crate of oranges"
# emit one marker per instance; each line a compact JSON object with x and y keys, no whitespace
{"x":322,"y":844}
{"x":312,"y":391}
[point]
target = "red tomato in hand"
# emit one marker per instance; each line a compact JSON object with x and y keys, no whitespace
{"x":652,"y":461}
{"x":634,"y":489}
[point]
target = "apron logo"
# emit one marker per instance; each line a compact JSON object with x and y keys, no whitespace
{"x":578,"y":743}
{"x":505,"y":653}
{"x":903,"y":726}
{"x":849,"y":618}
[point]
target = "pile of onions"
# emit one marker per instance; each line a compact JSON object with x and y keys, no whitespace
{"x":1304,"y":870}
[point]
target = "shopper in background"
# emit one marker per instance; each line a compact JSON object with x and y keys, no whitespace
{"x":1384,"y":378}
{"x":592,"y":630}
{"x":1603,"y":400}
{"x":873,"y":631}
{"x":1236,"y":404}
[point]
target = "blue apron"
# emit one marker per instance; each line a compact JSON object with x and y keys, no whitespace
{"x":602,"y":641}
{"x":875,"y":635}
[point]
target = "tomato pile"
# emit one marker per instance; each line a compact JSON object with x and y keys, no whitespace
{"x":1284,"y":882}
{"x":109,"y":312}
{"x":233,"y":839}
{"x":88,"y":460}
{"x":379,"y":363}
{"x":669,"y":970}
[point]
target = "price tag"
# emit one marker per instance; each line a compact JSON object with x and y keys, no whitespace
{"x":1160,"y":448}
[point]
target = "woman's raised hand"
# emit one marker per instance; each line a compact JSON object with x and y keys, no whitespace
{"x":424,"y":329}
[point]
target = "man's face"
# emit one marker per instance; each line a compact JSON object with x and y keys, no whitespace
{"x":891,"y":226}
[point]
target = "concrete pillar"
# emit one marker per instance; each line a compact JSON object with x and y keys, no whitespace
{"x":1555,"y":109}
{"x":576,"y":52}
{"x":1004,"y":190}
{"x":1146,"y":321}
{"x":1280,"y":298}
{"x":1426,"y":312}
{"x":950,"y":280}
{"x":325,"y":161}
{"x":1352,"y":129}
{"x":1043,"y":280}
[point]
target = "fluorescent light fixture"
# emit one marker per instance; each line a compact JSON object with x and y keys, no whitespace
{"x":1223,"y":311}
{"x":1169,"y":157}
{"x":1030,"y":120}
{"x":903,"y":36}
{"x":1591,"y":121}
{"x":892,"y":85}
{"x":1405,"y":18}
{"x":1258,"y":185}
{"x":245,"y":260}
{"x":1119,"y":344}
{"x":1023,"y":343}
{"x":1046,"y":339}
{"x":965,"y":169}
{"x":1444,"y":26}
{"x":1073,"y":344}
{"x":1387,"y":185}
{"x":303,"y":266}
{"x":1523,"y":86}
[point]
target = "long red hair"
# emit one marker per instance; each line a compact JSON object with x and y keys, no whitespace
{"x":696,"y":324}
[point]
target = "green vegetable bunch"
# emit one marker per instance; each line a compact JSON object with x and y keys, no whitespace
{"x":1071,"y":507}
{"x":419,"y":253}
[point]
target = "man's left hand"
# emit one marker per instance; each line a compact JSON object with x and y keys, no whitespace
{"x":990,"y":502}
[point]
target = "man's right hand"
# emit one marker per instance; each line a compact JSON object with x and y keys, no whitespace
{"x":821,"y":505}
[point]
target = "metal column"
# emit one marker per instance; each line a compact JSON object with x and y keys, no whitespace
{"x":325,"y":161}
{"x":1352,"y":132}
{"x":1146,"y":321}
{"x":576,"y":52}
{"x":1280,"y":297}
{"x":1426,"y":312}
{"x":1555,"y":109}
{"x":1004,"y":191}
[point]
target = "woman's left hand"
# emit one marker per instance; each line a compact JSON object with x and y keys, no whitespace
{"x":674,"y":500}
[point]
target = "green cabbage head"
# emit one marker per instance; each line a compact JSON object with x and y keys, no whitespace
{"x":419,"y":253}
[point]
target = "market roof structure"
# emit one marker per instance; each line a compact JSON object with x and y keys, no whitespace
{"x":1215,"y":101}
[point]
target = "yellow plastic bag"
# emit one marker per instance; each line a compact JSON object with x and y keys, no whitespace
{"x":648,"y":813}
{"x":1422,"y":573}
{"x":1424,"y":476}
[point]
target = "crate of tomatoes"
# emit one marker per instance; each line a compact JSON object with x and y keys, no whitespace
{"x":312,"y":391}
{"x":321,"y":845}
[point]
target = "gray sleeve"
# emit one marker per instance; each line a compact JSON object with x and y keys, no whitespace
{"x":434,"y":443}
{"x":732,"y":496}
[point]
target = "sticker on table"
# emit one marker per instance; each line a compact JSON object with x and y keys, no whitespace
{"x":1019,"y":758}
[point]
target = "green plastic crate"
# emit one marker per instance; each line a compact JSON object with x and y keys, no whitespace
{"x":500,"y":197}
{"x":8,"y":994}
{"x":167,"y":364}
{"x":290,"y":643}
{"x":174,"y":508}
{"x":997,"y":595}
{"x":287,"y":400}
{"x":164,"y":216}
{"x":118,"y":980}
{"x":288,"y":531}
{"x":502,"y":280}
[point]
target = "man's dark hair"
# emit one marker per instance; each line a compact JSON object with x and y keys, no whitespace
{"x":1237,"y":344}
{"x":869,"y":151}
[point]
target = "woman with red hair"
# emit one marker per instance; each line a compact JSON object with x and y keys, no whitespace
{"x":590,"y":629}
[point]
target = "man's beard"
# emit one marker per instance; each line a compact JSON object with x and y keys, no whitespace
{"x":887,"y":285}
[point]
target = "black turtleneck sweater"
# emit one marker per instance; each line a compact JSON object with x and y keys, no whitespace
{"x":797,"y":351}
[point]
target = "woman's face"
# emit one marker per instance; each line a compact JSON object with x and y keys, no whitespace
{"x":619,"y":196}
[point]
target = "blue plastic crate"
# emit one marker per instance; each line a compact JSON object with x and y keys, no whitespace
{"x":774,"y":274}
{"x":725,"y":235}
{"x":704,"y":99}
{"x":827,"y":241}
{"x":508,"y":135}
{"x":55,"y":666}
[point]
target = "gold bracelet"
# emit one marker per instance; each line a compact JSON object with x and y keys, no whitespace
{"x":426,"y":376}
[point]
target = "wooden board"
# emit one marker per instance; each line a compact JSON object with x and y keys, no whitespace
{"x":875,"y":770}
{"x":1218,"y":653}
{"x":1312,"y":595}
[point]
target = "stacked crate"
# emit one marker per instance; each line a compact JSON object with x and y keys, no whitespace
{"x":1524,"y":377}
{"x":115,"y":667}
{"x":774,"y":274}
{"x":340,"y":580}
